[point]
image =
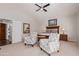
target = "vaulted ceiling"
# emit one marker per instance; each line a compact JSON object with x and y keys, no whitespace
{"x":54,"y":10}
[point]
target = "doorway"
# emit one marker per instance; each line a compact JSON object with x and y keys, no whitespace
{"x":3,"y":34}
{"x":2,"y":31}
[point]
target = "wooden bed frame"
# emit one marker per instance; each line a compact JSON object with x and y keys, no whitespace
{"x":53,"y":27}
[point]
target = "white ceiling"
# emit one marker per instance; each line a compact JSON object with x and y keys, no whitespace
{"x":54,"y":10}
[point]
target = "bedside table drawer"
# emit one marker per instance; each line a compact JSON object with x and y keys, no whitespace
{"x":63,"y":37}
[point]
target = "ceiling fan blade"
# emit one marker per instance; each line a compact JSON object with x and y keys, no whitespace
{"x":38,"y":9}
{"x":46,"y":5}
{"x":38,"y":5}
{"x":45,"y":10}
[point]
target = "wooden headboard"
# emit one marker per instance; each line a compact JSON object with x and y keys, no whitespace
{"x":50,"y":28}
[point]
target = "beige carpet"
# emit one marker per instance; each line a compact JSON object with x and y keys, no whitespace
{"x":18,"y":49}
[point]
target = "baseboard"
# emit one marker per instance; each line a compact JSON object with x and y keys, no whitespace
{"x":17,"y":42}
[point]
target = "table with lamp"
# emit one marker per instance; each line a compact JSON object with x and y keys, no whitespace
{"x":63,"y":36}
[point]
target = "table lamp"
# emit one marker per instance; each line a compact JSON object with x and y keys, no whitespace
{"x":63,"y":30}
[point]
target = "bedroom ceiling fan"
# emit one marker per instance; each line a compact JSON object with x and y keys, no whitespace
{"x":42,"y":7}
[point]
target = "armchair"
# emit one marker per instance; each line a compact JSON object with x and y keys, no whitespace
{"x":50,"y":45}
{"x":31,"y":39}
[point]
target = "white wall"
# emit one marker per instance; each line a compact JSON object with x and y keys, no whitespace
{"x":78,"y":28}
{"x":16,"y":32}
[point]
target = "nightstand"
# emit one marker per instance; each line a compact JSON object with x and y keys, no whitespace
{"x":64,"y":37}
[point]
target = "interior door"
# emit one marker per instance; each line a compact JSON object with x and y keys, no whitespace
{"x":2,"y":31}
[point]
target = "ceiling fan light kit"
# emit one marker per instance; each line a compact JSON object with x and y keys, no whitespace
{"x":42,"y":7}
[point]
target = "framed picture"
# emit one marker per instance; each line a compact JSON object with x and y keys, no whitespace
{"x":26,"y":28}
{"x":52,"y":22}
